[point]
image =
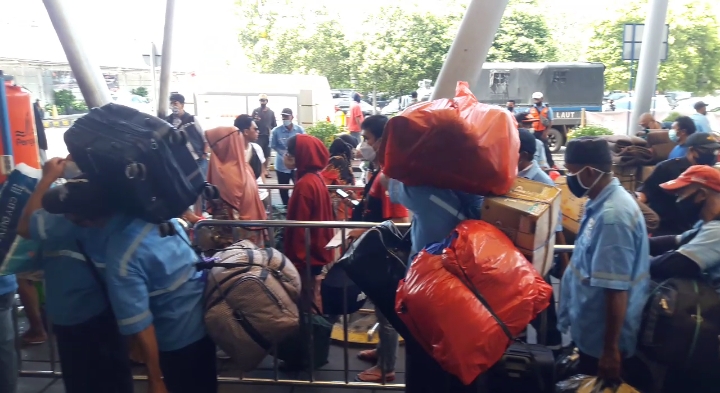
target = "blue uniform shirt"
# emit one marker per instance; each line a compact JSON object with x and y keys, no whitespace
{"x":702,"y":124}
{"x":436,"y":212}
{"x":72,"y":293}
{"x":278,"y":142}
{"x":152,"y":280}
{"x":704,"y":249}
{"x":539,"y":156}
{"x":678,"y":152}
{"x":8,"y":284}
{"x":611,"y":252}
{"x":534,"y":173}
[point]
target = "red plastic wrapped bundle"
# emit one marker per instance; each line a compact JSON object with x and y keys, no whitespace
{"x":457,"y":144}
{"x":448,"y":320}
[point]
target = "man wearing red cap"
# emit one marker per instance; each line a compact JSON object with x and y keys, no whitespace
{"x":695,"y":254}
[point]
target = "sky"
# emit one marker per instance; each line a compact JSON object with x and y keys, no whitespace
{"x":119,"y":32}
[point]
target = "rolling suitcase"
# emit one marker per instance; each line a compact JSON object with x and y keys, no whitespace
{"x":527,"y":368}
{"x":141,"y":159}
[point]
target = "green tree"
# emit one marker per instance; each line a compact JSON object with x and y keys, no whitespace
{"x":693,"y":62}
{"x":401,"y":49}
{"x":523,"y":35}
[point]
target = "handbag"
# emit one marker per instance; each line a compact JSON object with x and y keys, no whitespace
{"x":376,"y":262}
{"x":295,"y":350}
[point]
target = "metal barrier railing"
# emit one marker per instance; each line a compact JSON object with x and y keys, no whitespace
{"x":276,"y":380}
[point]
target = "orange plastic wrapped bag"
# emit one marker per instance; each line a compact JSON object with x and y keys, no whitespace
{"x":446,"y":317}
{"x":458,"y":144}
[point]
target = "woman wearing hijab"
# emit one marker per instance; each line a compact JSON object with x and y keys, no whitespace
{"x":230,"y":172}
{"x":310,"y":201}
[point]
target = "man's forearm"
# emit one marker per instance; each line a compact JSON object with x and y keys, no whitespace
{"x":615,"y":310}
{"x":33,"y":204}
{"x":148,"y":343}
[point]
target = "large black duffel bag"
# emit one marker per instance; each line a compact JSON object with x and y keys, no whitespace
{"x":681,"y":325}
{"x":142,"y":160}
{"x":376,"y":262}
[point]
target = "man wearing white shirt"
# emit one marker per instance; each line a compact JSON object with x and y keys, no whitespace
{"x":702,"y":124}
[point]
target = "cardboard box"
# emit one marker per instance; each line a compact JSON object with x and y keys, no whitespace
{"x":571,"y":206}
{"x":528,"y":215}
{"x":646,"y":171}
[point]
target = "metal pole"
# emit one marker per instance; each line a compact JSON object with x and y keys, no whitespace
{"x":165,"y":68}
{"x":5,"y":120}
{"x":87,"y":73}
{"x":649,"y":59}
{"x":630,"y":88}
{"x":153,"y":54}
{"x":470,"y":47}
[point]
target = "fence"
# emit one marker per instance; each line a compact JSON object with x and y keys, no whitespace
{"x":276,"y":380}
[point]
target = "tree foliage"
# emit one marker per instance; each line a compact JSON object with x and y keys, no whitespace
{"x":523,"y":35}
{"x":693,"y":62}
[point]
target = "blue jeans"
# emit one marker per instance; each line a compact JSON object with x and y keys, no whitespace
{"x":387,"y":348}
{"x":8,"y":358}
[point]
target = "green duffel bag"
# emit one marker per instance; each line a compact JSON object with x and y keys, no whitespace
{"x":295,"y":350}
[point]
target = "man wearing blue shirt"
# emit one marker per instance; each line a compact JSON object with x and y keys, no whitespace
{"x":93,"y":354}
{"x":436,"y":213}
{"x":152,"y":284}
{"x":8,"y":359}
{"x":278,"y":142}
{"x":606,"y":285}
{"x":702,"y":124}
{"x":681,"y":130}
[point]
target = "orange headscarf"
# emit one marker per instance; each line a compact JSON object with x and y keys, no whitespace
{"x":232,"y":175}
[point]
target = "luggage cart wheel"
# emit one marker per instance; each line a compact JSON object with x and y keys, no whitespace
{"x":167,"y":229}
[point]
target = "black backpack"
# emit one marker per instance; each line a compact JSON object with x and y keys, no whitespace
{"x":143,"y":161}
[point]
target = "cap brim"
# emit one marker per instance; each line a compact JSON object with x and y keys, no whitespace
{"x":674,"y":185}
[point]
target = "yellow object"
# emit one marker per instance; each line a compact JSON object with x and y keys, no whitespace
{"x":54,"y":113}
{"x":358,"y":330}
{"x":340,"y":119}
{"x":588,"y":386}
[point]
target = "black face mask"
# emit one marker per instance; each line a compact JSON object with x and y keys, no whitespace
{"x":689,"y":208}
{"x":511,"y":108}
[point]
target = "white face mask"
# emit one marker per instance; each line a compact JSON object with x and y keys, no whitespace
{"x":367,"y":151}
{"x":71,"y":170}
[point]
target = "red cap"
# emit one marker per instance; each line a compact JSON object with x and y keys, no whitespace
{"x":703,"y":175}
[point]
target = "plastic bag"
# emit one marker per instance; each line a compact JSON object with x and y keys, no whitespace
{"x":447,"y":318}
{"x":587,"y":384}
{"x":14,"y":195}
{"x":457,"y":144}
{"x":23,"y":259}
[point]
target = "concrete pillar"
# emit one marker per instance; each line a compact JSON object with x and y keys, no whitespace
{"x":86,"y":71}
{"x":470,"y":47}
{"x":166,"y":61}
{"x":649,"y":62}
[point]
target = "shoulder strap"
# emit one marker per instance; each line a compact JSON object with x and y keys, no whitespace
{"x":93,"y":269}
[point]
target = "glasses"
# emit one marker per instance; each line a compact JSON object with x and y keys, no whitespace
{"x":263,"y":100}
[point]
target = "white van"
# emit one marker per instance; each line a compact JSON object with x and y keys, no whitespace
{"x":218,"y":101}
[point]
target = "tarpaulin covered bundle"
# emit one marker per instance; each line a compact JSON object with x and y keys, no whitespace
{"x":588,"y":384}
{"x":458,"y":144}
{"x":441,"y":299}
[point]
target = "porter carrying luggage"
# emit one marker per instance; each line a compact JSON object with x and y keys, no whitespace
{"x":141,"y":159}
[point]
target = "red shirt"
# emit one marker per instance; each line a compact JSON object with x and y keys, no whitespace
{"x":355,"y":111}
{"x":389,"y":210}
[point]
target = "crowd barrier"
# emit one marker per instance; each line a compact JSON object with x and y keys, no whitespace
{"x":276,"y":380}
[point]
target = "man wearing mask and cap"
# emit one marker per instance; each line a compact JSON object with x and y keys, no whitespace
{"x":265,"y":120}
{"x":605,"y":287}
{"x":278,"y":142}
{"x":197,"y":144}
{"x":680,"y":131}
{"x":541,"y":116}
{"x":701,"y":150}
{"x":702,"y":124}
{"x":694,"y":254}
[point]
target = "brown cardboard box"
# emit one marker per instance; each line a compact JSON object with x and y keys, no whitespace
{"x":528,"y":215}
{"x":627,"y":175}
{"x":646,"y":171}
{"x":571,"y":206}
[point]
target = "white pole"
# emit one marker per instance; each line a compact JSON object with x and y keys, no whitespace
{"x":88,"y":75}
{"x":165,"y":68}
{"x":649,"y":62}
{"x":470,"y":47}
{"x":153,"y":54}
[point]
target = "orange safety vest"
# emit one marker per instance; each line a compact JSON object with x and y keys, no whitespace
{"x":534,"y":115}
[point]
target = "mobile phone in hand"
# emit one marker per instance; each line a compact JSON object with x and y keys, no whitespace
{"x":345,"y":195}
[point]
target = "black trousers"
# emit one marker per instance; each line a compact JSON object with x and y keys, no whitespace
{"x":424,"y":375}
{"x":94,"y":356}
{"x":285,"y":178}
{"x":192,"y":369}
{"x":538,"y":136}
{"x":264,"y":142}
{"x":553,"y":337}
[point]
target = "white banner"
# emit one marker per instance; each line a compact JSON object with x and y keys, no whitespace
{"x":618,"y":121}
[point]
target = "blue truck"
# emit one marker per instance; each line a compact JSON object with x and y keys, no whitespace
{"x":568,"y":88}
